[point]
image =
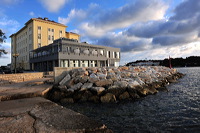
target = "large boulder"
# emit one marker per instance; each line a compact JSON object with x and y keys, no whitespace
{"x":93,"y":78}
{"x":86,"y":86}
{"x":104,"y":83}
{"x":75,"y":87}
{"x":101,"y":75}
{"x":85,"y":96}
{"x":133,"y":84}
{"x":115,"y":90}
{"x":94,"y":99}
{"x":121,"y":84}
{"x":79,"y":72}
{"x":124,"y":96}
{"x":65,"y":80}
{"x":108,"y":98}
{"x":84,"y":79}
{"x":97,"y":90}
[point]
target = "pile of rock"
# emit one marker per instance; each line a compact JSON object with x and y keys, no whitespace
{"x":111,"y":84}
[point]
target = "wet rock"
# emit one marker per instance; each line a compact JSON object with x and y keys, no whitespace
{"x":85,"y":96}
{"x":162,"y":89}
{"x":97,"y":90}
{"x":108,"y":98}
{"x":67,"y":100}
{"x":124,"y":96}
{"x":104,"y":82}
{"x":142,"y":92}
{"x":152,"y":91}
{"x":134,"y":95}
{"x":115,"y":90}
{"x":94,"y":99}
{"x":57,"y":95}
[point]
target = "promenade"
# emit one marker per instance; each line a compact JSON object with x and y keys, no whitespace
{"x":23,"y":108}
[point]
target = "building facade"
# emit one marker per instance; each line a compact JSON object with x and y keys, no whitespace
{"x":36,"y":33}
{"x":66,"y":52}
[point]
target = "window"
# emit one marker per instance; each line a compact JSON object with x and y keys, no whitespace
{"x":60,"y":33}
{"x":49,"y":29}
{"x":39,"y":36}
{"x":101,"y":52}
{"x":52,"y":30}
{"x":49,"y":37}
{"x":39,"y":27}
{"x":39,"y":45}
{"x":52,"y":37}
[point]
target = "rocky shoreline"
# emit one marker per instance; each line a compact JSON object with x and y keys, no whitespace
{"x":111,"y":84}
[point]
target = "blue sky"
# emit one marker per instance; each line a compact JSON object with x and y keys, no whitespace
{"x":143,"y":29}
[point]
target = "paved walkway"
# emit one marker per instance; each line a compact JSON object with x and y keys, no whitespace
{"x":22,"y":109}
{"x":26,"y":89}
{"x":39,"y":115}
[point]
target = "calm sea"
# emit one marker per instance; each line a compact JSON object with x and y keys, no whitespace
{"x":176,"y":111}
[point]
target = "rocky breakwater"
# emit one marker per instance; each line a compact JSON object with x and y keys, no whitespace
{"x":111,"y":84}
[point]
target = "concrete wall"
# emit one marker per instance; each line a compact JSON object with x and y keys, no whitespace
{"x":15,"y":78}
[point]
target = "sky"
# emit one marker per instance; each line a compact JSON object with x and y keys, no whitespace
{"x":142,"y":29}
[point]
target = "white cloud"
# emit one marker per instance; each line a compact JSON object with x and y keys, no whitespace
{"x":140,"y":29}
{"x":53,"y":5}
{"x":8,"y":26}
{"x":192,"y":49}
{"x":96,"y":21}
{"x":31,"y":14}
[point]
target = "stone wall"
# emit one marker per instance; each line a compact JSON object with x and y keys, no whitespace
{"x":111,"y":84}
{"x":20,"y":77}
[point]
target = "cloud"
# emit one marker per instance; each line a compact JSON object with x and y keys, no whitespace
{"x":32,"y":14}
{"x":9,"y":26}
{"x":186,"y":10}
{"x":174,"y":40}
{"x":95,"y":21}
{"x":140,"y":28}
{"x":138,"y":11}
{"x":53,"y":5}
{"x":79,"y":15}
{"x":9,"y":2}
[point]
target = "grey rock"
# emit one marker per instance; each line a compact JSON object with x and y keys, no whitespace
{"x":75,"y":87}
{"x":86,"y":86}
{"x":65,"y":80}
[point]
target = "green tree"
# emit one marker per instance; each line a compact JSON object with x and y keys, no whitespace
{"x":2,"y":40}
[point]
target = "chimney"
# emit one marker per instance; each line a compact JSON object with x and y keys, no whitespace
{"x":45,"y":18}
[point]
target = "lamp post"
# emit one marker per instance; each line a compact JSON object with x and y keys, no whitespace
{"x":15,"y":56}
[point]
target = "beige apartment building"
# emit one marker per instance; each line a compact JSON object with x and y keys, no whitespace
{"x":36,"y":33}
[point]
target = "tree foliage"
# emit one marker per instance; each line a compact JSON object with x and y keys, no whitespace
{"x":2,"y":39}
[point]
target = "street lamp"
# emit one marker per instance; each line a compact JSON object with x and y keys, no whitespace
{"x":15,"y":56}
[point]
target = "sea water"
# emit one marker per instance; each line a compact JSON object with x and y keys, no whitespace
{"x":175,"y":111}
